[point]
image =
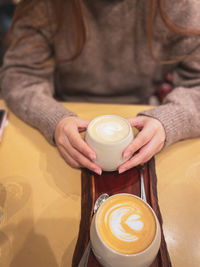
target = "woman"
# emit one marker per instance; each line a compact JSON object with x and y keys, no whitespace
{"x":115,"y":51}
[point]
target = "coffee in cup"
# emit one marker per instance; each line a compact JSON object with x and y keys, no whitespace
{"x":125,"y":232}
{"x":109,"y":135}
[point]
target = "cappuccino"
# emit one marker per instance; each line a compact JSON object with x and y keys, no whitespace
{"x":108,"y":136}
{"x":109,"y":129}
{"x":126,"y":224}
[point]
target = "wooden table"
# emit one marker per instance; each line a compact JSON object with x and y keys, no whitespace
{"x":40,"y":196}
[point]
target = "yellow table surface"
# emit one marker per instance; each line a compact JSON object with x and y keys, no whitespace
{"x":40,"y":196}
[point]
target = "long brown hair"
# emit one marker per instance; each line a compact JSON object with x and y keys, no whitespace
{"x":77,"y":12}
{"x":177,"y":29}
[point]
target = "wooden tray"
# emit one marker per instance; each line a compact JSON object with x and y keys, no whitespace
{"x":112,"y":183}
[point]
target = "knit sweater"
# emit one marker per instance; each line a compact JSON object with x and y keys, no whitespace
{"x":115,"y":66}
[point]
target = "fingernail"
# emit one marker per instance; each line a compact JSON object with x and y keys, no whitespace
{"x":92,"y":156}
{"x":99,"y":172}
{"x":121,"y":170}
{"x":127,"y":155}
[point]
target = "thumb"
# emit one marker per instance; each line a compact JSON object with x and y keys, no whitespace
{"x":137,"y":122}
{"x":82,"y":124}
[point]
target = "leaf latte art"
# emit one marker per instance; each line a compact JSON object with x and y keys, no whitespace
{"x":109,"y":129}
{"x":126,"y":224}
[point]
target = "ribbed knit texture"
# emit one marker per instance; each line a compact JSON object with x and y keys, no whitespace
{"x":114,"y":67}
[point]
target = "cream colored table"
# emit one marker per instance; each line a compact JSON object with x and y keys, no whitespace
{"x":40,"y":196}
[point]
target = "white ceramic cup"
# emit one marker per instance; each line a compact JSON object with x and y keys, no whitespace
{"x":109,"y":152}
{"x":109,"y":257}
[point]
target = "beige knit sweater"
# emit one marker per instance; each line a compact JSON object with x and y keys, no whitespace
{"x":114,"y":67}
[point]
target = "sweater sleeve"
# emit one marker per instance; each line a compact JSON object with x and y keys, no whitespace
{"x":180,"y":112}
{"x":27,"y":74}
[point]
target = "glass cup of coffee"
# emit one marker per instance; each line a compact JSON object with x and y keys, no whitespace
{"x":125,"y":231}
{"x":108,"y":136}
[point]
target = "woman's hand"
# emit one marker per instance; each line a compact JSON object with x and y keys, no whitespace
{"x":72,"y":147}
{"x":147,"y":143}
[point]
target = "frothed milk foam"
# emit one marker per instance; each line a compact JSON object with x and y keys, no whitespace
{"x":126,"y":224}
{"x":109,"y":130}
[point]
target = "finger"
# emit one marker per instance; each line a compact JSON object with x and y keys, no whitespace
{"x":79,"y":144}
{"x":145,"y":154}
{"x":141,"y":139}
{"x":81,"y":159}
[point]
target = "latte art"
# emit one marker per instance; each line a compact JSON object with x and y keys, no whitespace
{"x":109,"y":130}
{"x":126,"y":224}
{"x":108,"y":136}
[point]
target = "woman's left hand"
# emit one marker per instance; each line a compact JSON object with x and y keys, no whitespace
{"x":147,"y":143}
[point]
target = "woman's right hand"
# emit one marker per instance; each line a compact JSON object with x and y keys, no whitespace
{"x":72,"y":147}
